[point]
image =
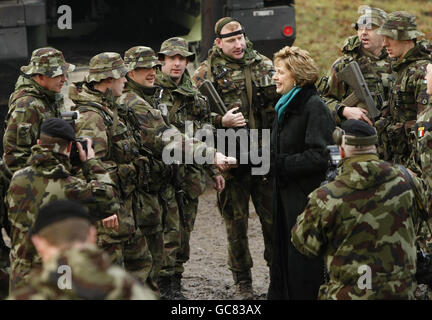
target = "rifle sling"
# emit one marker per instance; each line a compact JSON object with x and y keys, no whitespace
{"x":248,"y":75}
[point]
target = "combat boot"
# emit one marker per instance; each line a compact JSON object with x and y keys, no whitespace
{"x":243,"y":283}
{"x":176,"y":287}
{"x":165,"y":289}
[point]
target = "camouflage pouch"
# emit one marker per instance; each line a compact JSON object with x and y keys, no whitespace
{"x":383,"y":143}
{"x":23,"y":134}
{"x":142,"y":165}
{"x":194,"y":182}
{"x":396,"y":139}
{"x":124,"y":150}
{"x":128,"y":179}
{"x":149,"y":213}
{"x":160,"y":174}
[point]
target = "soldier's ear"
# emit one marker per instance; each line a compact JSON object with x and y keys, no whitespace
{"x":69,"y":147}
{"x":219,"y":43}
{"x":92,"y":235}
{"x":342,"y":152}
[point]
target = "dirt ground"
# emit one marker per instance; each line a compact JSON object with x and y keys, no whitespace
{"x":206,"y":275}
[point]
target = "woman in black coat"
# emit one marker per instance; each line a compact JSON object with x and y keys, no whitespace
{"x":301,"y":131}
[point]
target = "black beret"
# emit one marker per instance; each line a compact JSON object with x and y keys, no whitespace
{"x":57,"y":211}
{"x":358,"y":128}
{"x":58,"y":128}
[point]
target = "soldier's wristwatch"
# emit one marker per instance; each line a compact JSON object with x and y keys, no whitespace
{"x":339,"y":110}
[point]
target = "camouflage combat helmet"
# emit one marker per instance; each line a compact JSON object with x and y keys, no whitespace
{"x":106,"y":65}
{"x":47,"y":61}
{"x":370,"y":17}
{"x":174,"y":46}
{"x":141,"y":57}
{"x":400,"y":25}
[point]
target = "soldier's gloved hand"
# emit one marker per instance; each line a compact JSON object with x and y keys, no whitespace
{"x":111,"y":222}
{"x":356,"y":113}
{"x":231,"y":119}
{"x":90,"y":151}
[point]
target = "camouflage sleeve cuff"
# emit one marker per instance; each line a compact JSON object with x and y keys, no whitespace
{"x":338,"y":114}
{"x":212,"y":171}
{"x":94,"y":170}
{"x":216,"y":120}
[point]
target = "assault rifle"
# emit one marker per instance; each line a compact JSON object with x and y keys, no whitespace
{"x":215,"y":101}
{"x":353,"y":76}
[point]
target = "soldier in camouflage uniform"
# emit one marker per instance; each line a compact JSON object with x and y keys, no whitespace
{"x":424,"y":135}
{"x":118,"y":150}
{"x":149,"y":125}
{"x":422,"y":132}
{"x":63,"y":236}
{"x":48,"y":178}
{"x":243,"y":79}
{"x":366,"y":48}
{"x":407,"y":96}
{"x":365,"y":219}
{"x":36,"y":97}
{"x":184,"y":103}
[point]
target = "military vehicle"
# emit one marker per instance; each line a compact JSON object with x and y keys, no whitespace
{"x":82,"y":29}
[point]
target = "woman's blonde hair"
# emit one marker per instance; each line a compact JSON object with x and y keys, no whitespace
{"x":299,"y":63}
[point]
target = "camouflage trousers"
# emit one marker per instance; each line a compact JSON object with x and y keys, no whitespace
{"x":171,"y":231}
{"x":190,"y":213}
{"x":149,"y":220}
{"x":233,"y":203}
{"x":132,"y":254}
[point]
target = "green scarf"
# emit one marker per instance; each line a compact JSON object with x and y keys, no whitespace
{"x":284,"y":101}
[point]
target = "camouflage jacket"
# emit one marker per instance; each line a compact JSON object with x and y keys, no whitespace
{"x":407,"y":99}
{"x":48,"y":178}
{"x":29,"y":105}
{"x":228,"y":78}
{"x":376,"y":72}
{"x":366,"y":217}
{"x":91,"y":278}
{"x":423,"y":134}
{"x":185,"y":103}
{"x":114,"y":144}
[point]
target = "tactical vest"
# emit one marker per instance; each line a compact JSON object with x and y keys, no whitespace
{"x":230,"y":81}
{"x":23,"y":129}
{"x":402,"y":101}
{"x":122,"y":149}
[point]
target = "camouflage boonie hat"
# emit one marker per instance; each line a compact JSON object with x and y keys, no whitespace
{"x":370,"y":17}
{"x":106,"y":65}
{"x":47,"y":61}
{"x":400,"y":25}
{"x":174,"y":46}
{"x":141,"y":57}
